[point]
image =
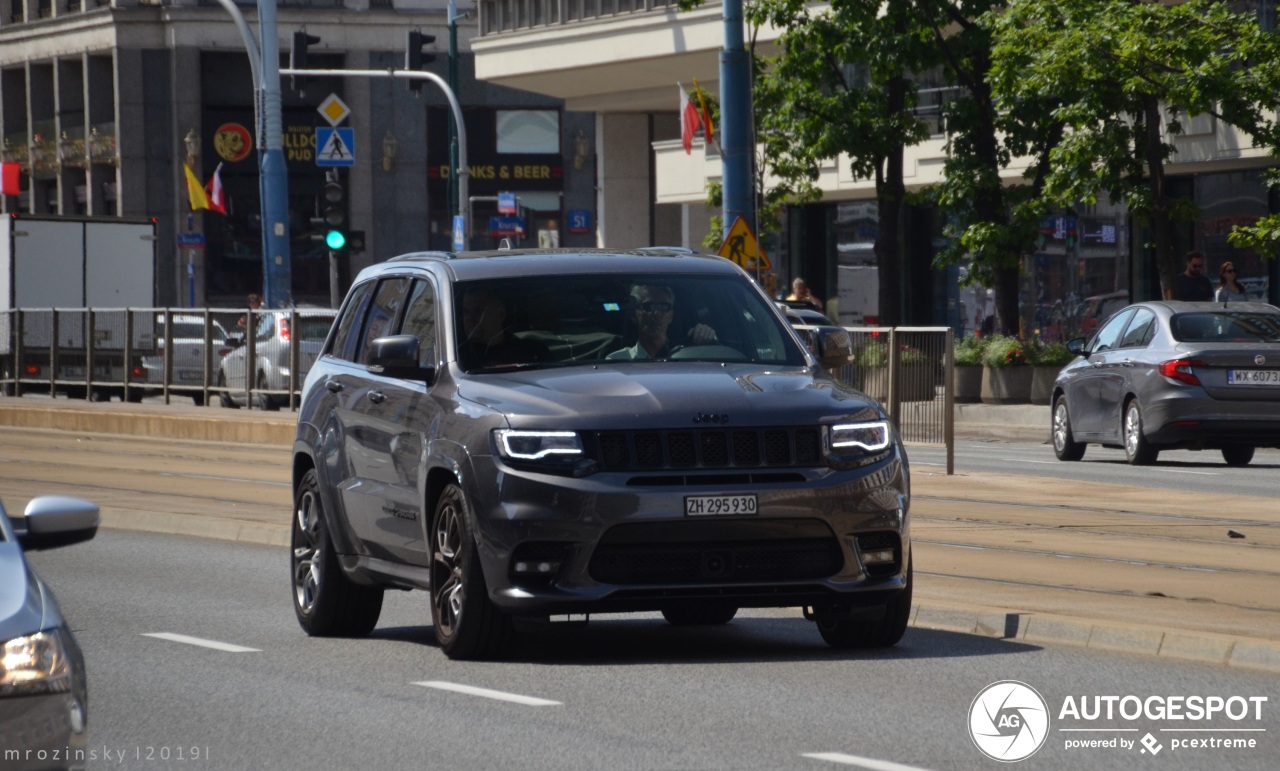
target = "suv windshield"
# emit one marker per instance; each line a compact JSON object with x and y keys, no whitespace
{"x":630,"y":319}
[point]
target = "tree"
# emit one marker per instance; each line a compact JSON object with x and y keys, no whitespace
{"x":1124,"y":74}
{"x":842,"y":86}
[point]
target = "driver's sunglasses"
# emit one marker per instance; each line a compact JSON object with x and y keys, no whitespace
{"x":654,"y":307}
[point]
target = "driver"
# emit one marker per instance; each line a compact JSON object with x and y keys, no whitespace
{"x":654,"y":309}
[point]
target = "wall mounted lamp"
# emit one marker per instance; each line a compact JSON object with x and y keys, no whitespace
{"x":388,"y":150}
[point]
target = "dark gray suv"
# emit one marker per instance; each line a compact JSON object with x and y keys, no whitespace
{"x":541,"y":435}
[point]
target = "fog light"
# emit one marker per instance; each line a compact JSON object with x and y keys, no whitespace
{"x":879,"y":557}
{"x":537,"y":568}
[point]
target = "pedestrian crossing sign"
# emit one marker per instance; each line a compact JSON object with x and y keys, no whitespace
{"x":335,"y":147}
{"x":741,"y":246}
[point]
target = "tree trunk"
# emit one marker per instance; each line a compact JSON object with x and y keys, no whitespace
{"x":891,"y":191}
{"x":1161,"y":223}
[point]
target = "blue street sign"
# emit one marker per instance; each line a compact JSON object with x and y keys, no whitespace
{"x":459,"y":233}
{"x":195,"y":240}
{"x":335,"y":146}
{"x":506,"y":226}
{"x":579,"y":221}
{"x":507,"y":203}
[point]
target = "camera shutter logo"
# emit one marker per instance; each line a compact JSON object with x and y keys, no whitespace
{"x":1008,"y":721}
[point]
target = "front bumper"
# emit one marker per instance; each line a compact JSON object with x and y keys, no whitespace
{"x":614,"y":544}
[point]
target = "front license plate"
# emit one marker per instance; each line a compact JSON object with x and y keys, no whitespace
{"x":190,"y":377}
{"x":719,"y":505}
{"x":73,"y":371}
{"x":1261,"y":377}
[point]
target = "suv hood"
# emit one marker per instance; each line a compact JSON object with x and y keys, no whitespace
{"x":625,"y":395}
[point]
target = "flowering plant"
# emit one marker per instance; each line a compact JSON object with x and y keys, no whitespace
{"x":1004,"y":351}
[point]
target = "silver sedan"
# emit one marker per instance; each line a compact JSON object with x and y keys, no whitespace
{"x":1173,"y":375}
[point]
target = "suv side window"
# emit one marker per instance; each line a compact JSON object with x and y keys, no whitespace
{"x":346,"y":336}
{"x":1109,"y":335}
{"x":1141,"y":329}
{"x":420,"y":321}
{"x":384,"y":313}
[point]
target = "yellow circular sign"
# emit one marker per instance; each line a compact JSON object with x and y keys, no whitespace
{"x":232,"y":142}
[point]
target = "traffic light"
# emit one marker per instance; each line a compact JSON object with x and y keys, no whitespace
{"x":298,"y":57}
{"x":332,"y":222}
{"x":414,"y":58}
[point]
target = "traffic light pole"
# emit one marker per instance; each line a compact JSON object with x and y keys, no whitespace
{"x":463,"y":173}
{"x":277,"y":269}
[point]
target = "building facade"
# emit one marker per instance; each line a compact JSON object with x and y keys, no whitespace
{"x":102,"y":102}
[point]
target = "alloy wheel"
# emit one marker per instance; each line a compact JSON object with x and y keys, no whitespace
{"x":308,"y":558}
{"x":448,"y":587}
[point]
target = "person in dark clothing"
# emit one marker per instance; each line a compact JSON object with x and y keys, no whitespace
{"x":487,"y":341}
{"x":1193,"y":285}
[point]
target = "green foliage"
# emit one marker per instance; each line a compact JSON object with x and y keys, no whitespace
{"x":969,"y":349}
{"x":1002,"y":351}
{"x":1045,"y":354}
{"x":874,"y":352}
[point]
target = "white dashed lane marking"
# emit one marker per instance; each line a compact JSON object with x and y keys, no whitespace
{"x":218,"y":646}
{"x":471,"y":690}
{"x":855,"y":760}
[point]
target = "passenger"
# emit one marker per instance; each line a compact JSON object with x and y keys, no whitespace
{"x":654,"y":309}
{"x":800,"y":293}
{"x":487,"y":340}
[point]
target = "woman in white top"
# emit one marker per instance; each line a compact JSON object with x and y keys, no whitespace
{"x":1229,"y":289}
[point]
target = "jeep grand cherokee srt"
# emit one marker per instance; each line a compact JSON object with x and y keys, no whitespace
{"x":484,"y":427}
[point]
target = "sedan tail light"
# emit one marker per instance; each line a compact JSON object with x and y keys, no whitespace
{"x":1182,"y":369}
{"x":284,"y":330}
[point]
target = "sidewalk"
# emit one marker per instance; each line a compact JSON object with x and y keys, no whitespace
{"x":963,"y":530}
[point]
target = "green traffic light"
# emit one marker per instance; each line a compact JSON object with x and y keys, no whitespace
{"x":335,"y":239}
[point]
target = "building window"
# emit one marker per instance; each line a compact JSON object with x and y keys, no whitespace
{"x":528,"y":131}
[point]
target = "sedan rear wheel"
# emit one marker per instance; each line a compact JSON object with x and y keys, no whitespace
{"x":1065,"y":447}
{"x":327,"y":603}
{"x":467,"y":623}
{"x":224,"y":397}
{"x":1237,"y":456}
{"x":1137,"y":450}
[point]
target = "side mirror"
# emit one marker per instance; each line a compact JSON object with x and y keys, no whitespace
{"x":397,"y":356}
{"x":51,"y":521}
{"x":834,"y":347}
{"x":1076,"y":346}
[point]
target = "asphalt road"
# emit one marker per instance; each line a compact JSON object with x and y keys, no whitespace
{"x":625,"y":692}
{"x":1202,"y":472}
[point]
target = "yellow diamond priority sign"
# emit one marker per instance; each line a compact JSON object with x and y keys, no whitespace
{"x":741,"y":247}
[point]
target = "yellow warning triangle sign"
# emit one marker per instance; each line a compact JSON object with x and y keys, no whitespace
{"x":740,"y":245}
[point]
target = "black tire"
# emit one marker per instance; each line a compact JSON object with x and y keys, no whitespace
{"x":263,"y":401}
{"x":708,"y":614}
{"x":845,"y":633}
{"x":135,"y":395}
{"x":467,"y":623}
{"x":1137,"y":450}
{"x":1065,"y":446}
{"x":1237,"y":456}
{"x":326,"y":602}
{"x":224,"y":396}
{"x":198,"y":398}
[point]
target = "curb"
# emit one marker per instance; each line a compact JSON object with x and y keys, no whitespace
{"x":1205,"y":648}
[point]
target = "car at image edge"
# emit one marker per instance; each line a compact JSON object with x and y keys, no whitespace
{"x":1173,"y":375}
{"x":727,"y":473}
{"x":43,"y":688}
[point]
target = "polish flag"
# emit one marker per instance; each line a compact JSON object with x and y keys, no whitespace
{"x":217,"y":197}
{"x":690,"y":121}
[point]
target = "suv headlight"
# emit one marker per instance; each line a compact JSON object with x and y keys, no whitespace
{"x":854,"y":444}
{"x":34,"y":664}
{"x":538,"y":445}
{"x":871,"y":436}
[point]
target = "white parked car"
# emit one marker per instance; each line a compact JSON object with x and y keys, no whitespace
{"x":196,"y":351}
{"x":274,"y":336}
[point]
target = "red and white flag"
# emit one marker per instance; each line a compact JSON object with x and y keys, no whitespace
{"x":217,"y":198}
{"x":690,"y":120}
{"x":10,"y":179}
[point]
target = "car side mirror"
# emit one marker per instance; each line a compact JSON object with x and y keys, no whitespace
{"x":51,"y":521}
{"x":834,"y":347}
{"x":397,"y":356}
{"x":1076,"y":346}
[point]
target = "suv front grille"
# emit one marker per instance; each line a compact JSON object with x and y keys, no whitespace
{"x":738,"y":448}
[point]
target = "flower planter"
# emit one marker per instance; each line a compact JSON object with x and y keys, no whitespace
{"x":1042,"y":378}
{"x":916,"y":383}
{"x":1007,"y":385}
{"x":968,"y":384}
